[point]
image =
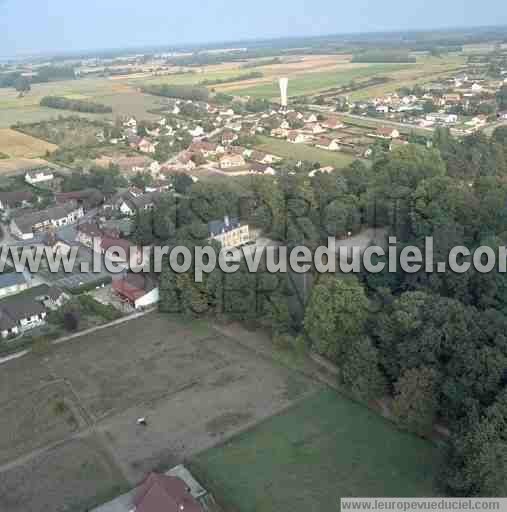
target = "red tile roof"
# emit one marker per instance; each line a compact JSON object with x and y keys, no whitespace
{"x":162,"y":493}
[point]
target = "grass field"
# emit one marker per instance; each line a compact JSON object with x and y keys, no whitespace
{"x":19,"y":145}
{"x":325,"y":448}
{"x":307,"y":83}
{"x":426,"y":70}
{"x":304,"y":152}
{"x":313,"y":82}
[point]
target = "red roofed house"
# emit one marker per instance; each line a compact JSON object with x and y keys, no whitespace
{"x":162,"y":493}
{"x":137,"y":289}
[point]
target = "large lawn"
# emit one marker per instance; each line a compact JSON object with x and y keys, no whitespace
{"x":305,"y":459}
{"x":285,"y":149}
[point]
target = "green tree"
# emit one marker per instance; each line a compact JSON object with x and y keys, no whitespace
{"x":335,"y":316}
{"x":361,"y":371}
{"x":416,"y":403}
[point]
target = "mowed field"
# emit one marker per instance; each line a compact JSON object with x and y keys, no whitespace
{"x":307,"y":458}
{"x":73,"y":409}
{"x":285,"y":149}
{"x":18,"y":145}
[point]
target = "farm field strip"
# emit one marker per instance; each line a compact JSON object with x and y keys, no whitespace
{"x":19,"y":145}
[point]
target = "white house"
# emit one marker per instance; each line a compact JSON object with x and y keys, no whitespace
{"x":38,"y":176}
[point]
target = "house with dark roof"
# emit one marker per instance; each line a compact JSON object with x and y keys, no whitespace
{"x":24,"y":226}
{"x":140,"y":203}
{"x":20,"y":313}
{"x":15,"y":199}
{"x":13,"y":282}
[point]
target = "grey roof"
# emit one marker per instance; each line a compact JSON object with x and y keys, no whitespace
{"x":17,"y":307}
{"x":26,"y":222}
{"x":216,"y":227}
{"x":12,"y":279}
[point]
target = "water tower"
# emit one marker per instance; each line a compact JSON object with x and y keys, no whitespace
{"x":284,"y":84}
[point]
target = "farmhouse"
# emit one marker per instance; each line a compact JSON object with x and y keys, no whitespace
{"x":229,"y":232}
{"x":39,"y":176}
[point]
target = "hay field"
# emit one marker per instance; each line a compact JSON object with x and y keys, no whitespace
{"x":19,"y":145}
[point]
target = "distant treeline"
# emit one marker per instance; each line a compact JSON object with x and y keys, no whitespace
{"x":238,"y":78}
{"x":44,"y":74}
{"x":183,"y":92}
{"x":75,"y":105}
{"x":264,"y":62}
{"x":383,"y":56}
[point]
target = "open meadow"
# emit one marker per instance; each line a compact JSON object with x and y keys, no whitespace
{"x":286,"y":149}
{"x":326,"y":447}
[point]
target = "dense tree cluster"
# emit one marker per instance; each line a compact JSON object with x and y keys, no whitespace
{"x":75,"y":105}
{"x":183,"y":92}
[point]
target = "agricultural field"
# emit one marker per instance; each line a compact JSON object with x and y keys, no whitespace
{"x":426,"y":70}
{"x":76,"y":475}
{"x":123,"y":98}
{"x":304,"y":152}
{"x":325,"y":447}
{"x":312,"y":82}
{"x":196,"y":386}
{"x":18,"y":145}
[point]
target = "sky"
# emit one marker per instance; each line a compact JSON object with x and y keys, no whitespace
{"x":41,"y":26}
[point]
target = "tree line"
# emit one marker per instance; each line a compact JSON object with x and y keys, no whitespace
{"x":61,"y":102}
{"x":183,"y":92}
